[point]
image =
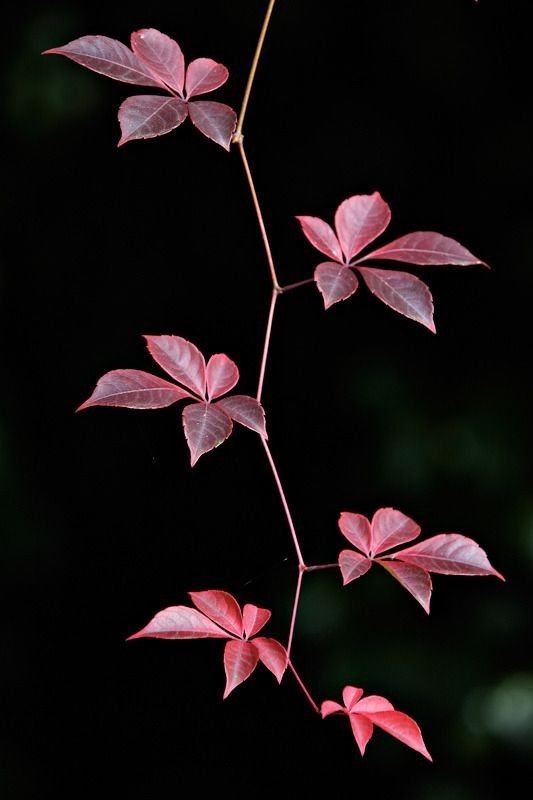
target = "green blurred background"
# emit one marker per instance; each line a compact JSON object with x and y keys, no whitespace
{"x":103,"y":522}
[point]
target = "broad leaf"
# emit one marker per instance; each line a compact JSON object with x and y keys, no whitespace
{"x":401,"y":727}
{"x":362,"y":730}
{"x":331,"y":707}
{"x":350,"y":696}
{"x":390,"y":528}
{"x":254,"y":619}
{"x":181,"y":359}
{"x":352,"y":565}
{"x":359,"y":220}
{"x":217,"y":121}
{"x":356,"y":528}
{"x":415,"y":579}
{"x":449,"y":554}
{"x":145,"y":116}
{"x":180,"y":622}
{"x":246,"y":411}
{"x":205,"y":428}
{"x":335,"y":282}
{"x":222,"y":375}
{"x":133,"y":388}
{"x":221,"y":607}
{"x":371,"y":704}
{"x":321,"y":236}
{"x":425,"y":248}
{"x":240,"y":660}
{"x":403,"y":292}
{"x":162,"y":55}
{"x":108,"y":57}
{"x":273,"y":655}
{"x":204,"y":75}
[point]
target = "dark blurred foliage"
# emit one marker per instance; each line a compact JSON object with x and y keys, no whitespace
{"x":104,"y":522}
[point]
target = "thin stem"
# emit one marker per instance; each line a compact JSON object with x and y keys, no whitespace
{"x":284,"y":503}
{"x":303,"y":687}
{"x":301,"y":572}
{"x":253,"y":69}
{"x":266,"y":345}
{"x":296,"y":285}
{"x":316,"y":567}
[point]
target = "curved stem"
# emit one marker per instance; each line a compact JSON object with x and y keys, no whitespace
{"x":303,"y":687}
{"x":253,"y":69}
{"x":284,"y":503}
{"x":266,"y":345}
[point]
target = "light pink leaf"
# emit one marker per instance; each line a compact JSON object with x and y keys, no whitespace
{"x":240,"y":660}
{"x":221,"y":607}
{"x":335,"y":282}
{"x":403,"y":292}
{"x":181,"y":359}
{"x":204,"y":75}
{"x":330,"y":707}
{"x":371,"y":704}
{"x":425,"y":248}
{"x":217,"y":121}
{"x":401,"y":727}
{"x":352,"y":565}
{"x":246,"y":411}
{"x":145,"y":116}
{"x":350,"y":696}
{"x":162,"y":55}
{"x":222,"y":375}
{"x":362,"y":730}
{"x":359,"y":220}
{"x":254,"y":619}
{"x":357,"y":530}
{"x":449,"y":554}
{"x":180,"y":622}
{"x":273,"y":655}
{"x":205,"y":428}
{"x":321,"y":236}
{"x":415,"y":579}
{"x":108,"y":57}
{"x":133,"y":388}
{"x":390,"y":528}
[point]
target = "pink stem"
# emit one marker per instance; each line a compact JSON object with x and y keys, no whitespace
{"x":301,"y":572}
{"x":301,"y":562}
{"x":296,"y":285}
{"x":303,"y":687}
{"x":266,"y":345}
{"x":316,"y":567}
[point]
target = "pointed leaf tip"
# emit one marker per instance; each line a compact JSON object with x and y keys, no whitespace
{"x":240,"y":660}
{"x":206,"y":427}
{"x":221,"y":607}
{"x":403,"y":292}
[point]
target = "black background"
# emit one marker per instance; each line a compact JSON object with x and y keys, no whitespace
{"x":104,"y":521}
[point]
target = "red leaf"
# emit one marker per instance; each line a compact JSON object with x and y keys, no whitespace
{"x":425,"y":248}
{"x":181,"y":359}
{"x":108,"y":57}
{"x":403,"y":292}
{"x":321,"y":236}
{"x":145,"y":116}
{"x":391,"y":528}
{"x":240,"y":660}
{"x":180,"y":622}
{"x":133,"y":388}
{"x":217,"y":121}
{"x":401,"y":727}
{"x":335,"y":282}
{"x":221,"y":607}
{"x":246,"y":411}
{"x":356,"y":528}
{"x":350,"y":696}
{"x":204,"y":75}
{"x":254,"y":619}
{"x":352,"y":565}
{"x":330,"y":707}
{"x":449,"y":554}
{"x":362,"y":730}
{"x":162,"y":55}
{"x":273,"y":655}
{"x":205,"y":428}
{"x":415,"y":579}
{"x":371,"y":704}
{"x":358,"y":220}
{"x":222,"y":375}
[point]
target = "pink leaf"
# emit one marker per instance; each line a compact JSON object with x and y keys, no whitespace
{"x":401,"y":727}
{"x":217,"y":121}
{"x":403,"y":292}
{"x":449,"y":554}
{"x":415,"y":579}
{"x":391,"y":528}
{"x":425,"y":248}
{"x":181,"y":359}
{"x":330,"y":707}
{"x":362,"y":730}
{"x":254,"y":619}
{"x":133,"y":388}
{"x":350,"y":696}
{"x":352,"y":565}
{"x":180,"y":622}
{"x":108,"y":57}
{"x":145,"y":116}
{"x":357,"y":530}
{"x":240,"y":660}
{"x":221,"y":607}
{"x":204,"y":75}
{"x":205,"y":428}
{"x":371,"y":704}
{"x":246,"y":411}
{"x":335,"y":282}
{"x":359,"y":220}
{"x":162,"y":55}
{"x":273,"y":655}
{"x":321,"y":236}
{"x":222,"y":375}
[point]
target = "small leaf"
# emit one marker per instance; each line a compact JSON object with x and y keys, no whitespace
{"x":221,"y":607}
{"x":415,"y":579}
{"x":222,"y":375}
{"x":162,"y":55}
{"x":401,"y":727}
{"x":180,"y":622}
{"x":330,"y":707}
{"x":359,"y":220}
{"x":321,"y":236}
{"x":181,"y":359}
{"x":205,"y":428}
{"x":133,"y":388}
{"x":204,"y":75}
{"x":371,"y":704}
{"x":449,"y":554}
{"x":335,"y":282}
{"x":246,"y":411}
{"x":405,"y":293}
{"x":352,"y":565}
{"x":390,"y":528}
{"x":254,"y":619}
{"x":145,"y":116}
{"x":273,"y":655}
{"x":240,"y":660}
{"x":350,"y":696}
{"x":425,"y":248}
{"x":362,"y":730}
{"x":356,"y":528}
{"x":217,"y":121}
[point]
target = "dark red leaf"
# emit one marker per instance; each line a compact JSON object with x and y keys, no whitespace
{"x":335,"y":282}
{"x":425,"y":248}
{"x":359,"y":220}
{"x":273,"y":655}
{"x":321,"y":236}
{"x":390,"y":528}
{"x":403,"y":292}
{"x":204,"y":75}
{"x":181,"y":359}
{"x":162,"y":55}
{"x":217,"y":121}
{"x":415,"y":579}
{"x":246,"y":411}
{"x":205,"y":428}
{"x":356,"y":528}
{"x":449,"y":554}
{"x":145,"y":116}
{"x":352,"y":565}
{"x":180,"y":622}
{"x":240,"y":660}
{"x":133,"y":388}
{"x":221,"y":607}
{"x":222,"y":375}
{"x":254,"y":619}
